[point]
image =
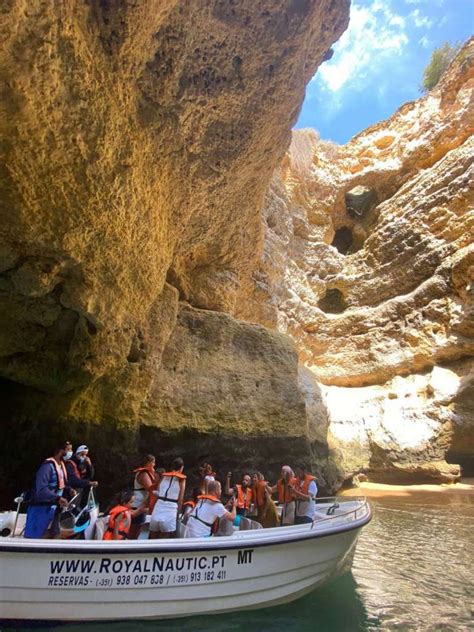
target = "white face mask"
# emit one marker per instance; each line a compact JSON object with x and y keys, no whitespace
{"x":82,"y":459}
{"x":68,"y":455}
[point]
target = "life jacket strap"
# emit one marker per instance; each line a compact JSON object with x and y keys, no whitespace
{"x":169,"y":500}
{"x":208,"y":524}
{"x":124,"y":534}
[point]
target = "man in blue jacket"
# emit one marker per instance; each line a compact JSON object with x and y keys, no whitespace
{"x":50,"y":484}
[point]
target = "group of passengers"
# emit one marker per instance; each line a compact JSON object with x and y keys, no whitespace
{"x":162,"y":495}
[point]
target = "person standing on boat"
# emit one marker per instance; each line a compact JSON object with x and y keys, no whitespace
{"x":83,"y":462}
{"x":49,"y":487}
{"x":286,"y":497}
{"x":75,"y":480}
{"x":209,"y":508}
{"x":267,"y":514}
{"x":243,"y":493}
{"x":304,"y":490}
{"x":144,"y":483}
{"x":170,"y":493}
{"x":207,"y":475}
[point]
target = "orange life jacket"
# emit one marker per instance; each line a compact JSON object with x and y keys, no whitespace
{"x":150,"y":471}
{"x":209,"y":497}
{"x":60,"y":472}
{"x":189,"y":503}
{"x":124,"y":524}
{"x":259,"y":493}
{"x":244,"y":499}
{"x":285,"y":495}
{"x":176,"y":474}
{"x":303,"y":485}
{"x":73,"y":463}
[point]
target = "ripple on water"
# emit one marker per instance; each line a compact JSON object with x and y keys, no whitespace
{"x":414,"y":565}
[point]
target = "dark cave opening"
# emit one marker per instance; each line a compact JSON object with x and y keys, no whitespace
{"x":333,"y":302}
{"x":343,"y":240}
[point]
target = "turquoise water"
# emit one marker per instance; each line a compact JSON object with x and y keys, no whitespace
{"x":413,"y":570}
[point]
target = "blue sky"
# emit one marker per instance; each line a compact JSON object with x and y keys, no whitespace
{"x":378,"y":62}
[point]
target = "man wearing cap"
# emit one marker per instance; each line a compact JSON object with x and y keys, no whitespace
{"x":77,"y":472}
{"x":83,"y":462}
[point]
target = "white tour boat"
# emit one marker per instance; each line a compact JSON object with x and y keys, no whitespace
{"x":68,"y":580}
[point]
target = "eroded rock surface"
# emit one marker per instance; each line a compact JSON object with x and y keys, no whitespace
{"x":138,"y":147}
{"x":138,"y":141}
{"x":368,"y":265}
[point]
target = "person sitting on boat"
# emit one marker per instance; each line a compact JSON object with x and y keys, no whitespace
{"x":267,"y":514}
{"x":305,"y":491}
{"x":121,"y":516}
{"x":243,"y":493}
{"x":143,"y":484}
{"x":286,"y":497}
{"x":189,"y":505}
{"x":207,"y":475}
{"x":170,"y":495}
{"x":47,"y":496}
{"x":209,"y":508}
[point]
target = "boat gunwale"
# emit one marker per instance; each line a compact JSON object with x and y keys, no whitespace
{"x":219,"y":543}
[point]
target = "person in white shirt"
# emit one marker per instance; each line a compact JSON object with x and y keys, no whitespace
{"x":304,"y":489}
{"x":208,"y":509}
{"x":207,"y":475}
{"x":170,"y":495}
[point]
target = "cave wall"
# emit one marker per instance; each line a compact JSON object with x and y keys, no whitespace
{"x":138,"y":140}
{"x":149,"y":215}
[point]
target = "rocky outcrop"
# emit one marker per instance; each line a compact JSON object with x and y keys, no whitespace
{"x":141,"y":141}
{"x":368,"y":266}
{"x":137,"y":144}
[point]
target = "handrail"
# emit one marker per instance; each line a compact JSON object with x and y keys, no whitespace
{"x":354,"y":511}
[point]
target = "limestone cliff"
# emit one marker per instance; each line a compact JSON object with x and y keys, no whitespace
{"x":138,"y":141}
{"x":157,"y":244}
{"x":368,"y":265}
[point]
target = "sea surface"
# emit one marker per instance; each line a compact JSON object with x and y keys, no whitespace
{"x":413,"y":570}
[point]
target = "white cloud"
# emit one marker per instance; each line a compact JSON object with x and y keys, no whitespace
{"x":425,"y":42}
{"x":438,"y":3}
{"x":374,"y":36}
{"x":420,"y":21}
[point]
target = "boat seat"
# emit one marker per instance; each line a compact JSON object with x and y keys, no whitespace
{"x":181,"y":530}
{"x":100,"y":527}
{"x":247,"y":524}
{"x":226,"y":528}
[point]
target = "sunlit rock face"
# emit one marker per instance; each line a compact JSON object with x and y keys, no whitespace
{"x":138,"y":141}
{"x":368,"y":265}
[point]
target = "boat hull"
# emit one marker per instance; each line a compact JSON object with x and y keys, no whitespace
{"x":162,"y":579}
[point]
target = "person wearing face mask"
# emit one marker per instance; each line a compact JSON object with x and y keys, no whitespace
{"x":75,"y":474}
{"x":47,"y":496}
{"x":83,"y":462}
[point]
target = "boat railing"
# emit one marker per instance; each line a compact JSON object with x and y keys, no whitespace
{"x":361,"y":506}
